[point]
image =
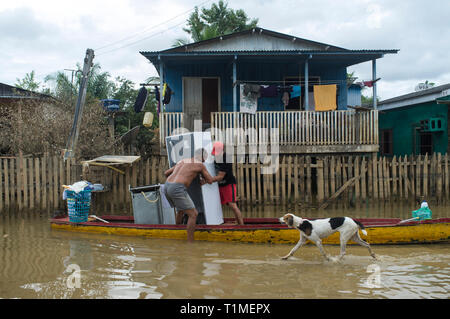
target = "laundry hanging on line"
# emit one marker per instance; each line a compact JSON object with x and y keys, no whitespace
{"x":251,"y":90}
{"x":249,"y":101}
{"x":296,"y":91}
{"x":141,"y":99}
{"x":167,"y":93}
{"x":325,"y":97}
{"x":158,"y":100}
{"x":268,"y":91}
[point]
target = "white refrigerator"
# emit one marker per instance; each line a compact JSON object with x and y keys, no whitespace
{"x":206,"y":198}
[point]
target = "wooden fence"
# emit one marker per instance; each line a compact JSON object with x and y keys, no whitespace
{"x":35,"y":183}
{"x":314,"y":180}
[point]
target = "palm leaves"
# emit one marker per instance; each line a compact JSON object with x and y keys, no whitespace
{"x":214,"y":22}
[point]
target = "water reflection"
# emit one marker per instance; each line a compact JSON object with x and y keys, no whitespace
{"x":80,"y":254}
{"x":34,"y":260}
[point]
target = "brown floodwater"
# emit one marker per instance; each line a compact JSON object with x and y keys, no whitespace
{"x":38,"y":262}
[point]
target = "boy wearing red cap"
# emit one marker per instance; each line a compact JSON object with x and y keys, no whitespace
{"x":226,"y":181}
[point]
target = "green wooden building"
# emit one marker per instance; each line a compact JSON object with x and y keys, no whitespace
{"x":415,"y":123}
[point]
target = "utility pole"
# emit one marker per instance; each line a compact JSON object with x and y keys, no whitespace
{"x":73,"y":71}
{"x":73,"y":137}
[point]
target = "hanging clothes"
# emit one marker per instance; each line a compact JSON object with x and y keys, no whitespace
{"x":296,"y":91}
{"x":141,"y":99}
{"x":269,"y":91}
{"x":285,"y":94}
{"x":248,"y":102}
{"x":252,"y":89}
{"x":158,"y":100}
{"x":325,"y":97}
{"x":285,"y":98}
{"x":167,"y":92}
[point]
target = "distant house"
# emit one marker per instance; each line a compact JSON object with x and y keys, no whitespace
{"x":208,"y":80}
{"x":11,"y":94}
{"x":13,"y":100}
{"x":415,"y":123}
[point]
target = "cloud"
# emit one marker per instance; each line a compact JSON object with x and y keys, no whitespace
{"x":47,"y":36}
{"x":376,"y":16}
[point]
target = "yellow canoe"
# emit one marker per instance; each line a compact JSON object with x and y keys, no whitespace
{"x":266,"y":230}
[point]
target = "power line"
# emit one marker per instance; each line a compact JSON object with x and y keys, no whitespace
{"x":148,"y":29}
{"x":148,"y":37}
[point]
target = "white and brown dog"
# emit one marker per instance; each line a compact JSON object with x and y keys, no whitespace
{"x":317,"y":229}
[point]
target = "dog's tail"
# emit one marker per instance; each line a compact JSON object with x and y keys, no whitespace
{"x":361,"y":226}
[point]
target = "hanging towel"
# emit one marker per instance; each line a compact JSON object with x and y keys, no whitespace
{"x":140,"y":100}
{"x":325,"y":97}
{"x":296,"y":91}
{"x":167,"y":92}
{"x":248,"y":103}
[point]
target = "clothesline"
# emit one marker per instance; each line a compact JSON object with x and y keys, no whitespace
{"x":290,"y":81}
{"x":277,"y":82}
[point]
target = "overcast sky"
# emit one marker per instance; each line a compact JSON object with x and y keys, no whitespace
{"x":47,"y":36}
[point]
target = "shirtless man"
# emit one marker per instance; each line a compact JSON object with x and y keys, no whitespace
{"x":179,"y":177}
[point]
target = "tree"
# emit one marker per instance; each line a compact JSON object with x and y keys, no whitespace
{"x":424,"y":86}
{"x":64,"y":89}
{"x":99,"y":86}
{"x":28,"y":82}
{"x":215,"y":21}
{"x":351,"y":78}
{"x":368,"y":100}
{"x":48,"y":123}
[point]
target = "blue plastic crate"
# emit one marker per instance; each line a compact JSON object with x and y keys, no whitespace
{"x":78,"y":205}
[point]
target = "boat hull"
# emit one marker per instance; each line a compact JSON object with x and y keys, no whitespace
{"x":381,"y":232}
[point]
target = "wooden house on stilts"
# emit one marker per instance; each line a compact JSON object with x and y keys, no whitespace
{"x":239,"y":81}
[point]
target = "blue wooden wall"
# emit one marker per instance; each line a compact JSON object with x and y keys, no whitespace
{"x":248,"y":71}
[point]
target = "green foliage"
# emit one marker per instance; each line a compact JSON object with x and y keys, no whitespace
{"x":28,"y":82}
{"x":63,"y":89}
{"x":216,"y":21}
{"x":367,"y":100}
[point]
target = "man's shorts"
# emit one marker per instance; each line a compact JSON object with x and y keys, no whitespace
{"x":227,"y":194}
{"x":177,"y":196}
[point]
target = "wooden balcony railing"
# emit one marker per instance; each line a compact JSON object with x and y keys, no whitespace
{"x":300,"y":127}
{"x":289,"y":128}
{"x":169,"y":124}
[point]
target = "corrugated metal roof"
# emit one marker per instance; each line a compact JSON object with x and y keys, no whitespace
{"x":255,"y":31}
{"x":414,"y":98}
{"x":436,"y":89}
{"x":13,"y":92}
{"x":269,"y":52}
{"x":321,"y":51}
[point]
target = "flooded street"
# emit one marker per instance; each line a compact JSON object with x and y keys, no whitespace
{"x":38,"y":262}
